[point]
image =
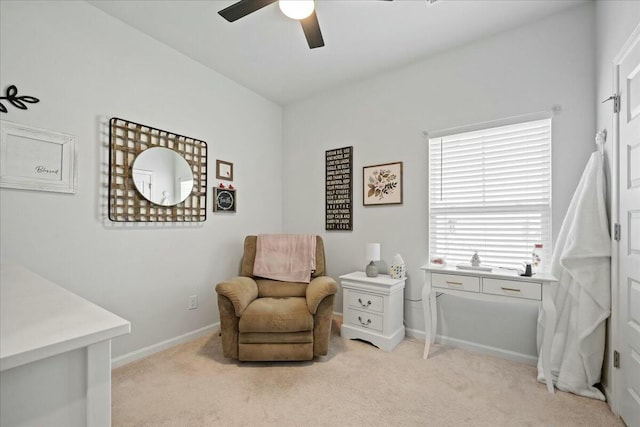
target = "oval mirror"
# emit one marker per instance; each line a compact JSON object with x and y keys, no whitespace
{"x":162,"y":176}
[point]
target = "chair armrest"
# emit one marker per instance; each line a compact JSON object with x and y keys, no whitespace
{"x":318,"y":289}
{"x":240,"y":291}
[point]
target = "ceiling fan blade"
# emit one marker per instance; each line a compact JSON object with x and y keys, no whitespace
{"x":312,"y":32}
{"x":243,"y":8}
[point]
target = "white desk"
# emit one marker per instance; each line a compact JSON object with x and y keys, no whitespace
{"x":42,"y":322}
{"x":497,"y":285}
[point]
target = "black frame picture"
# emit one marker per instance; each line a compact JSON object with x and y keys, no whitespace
{"x":224,"y":199}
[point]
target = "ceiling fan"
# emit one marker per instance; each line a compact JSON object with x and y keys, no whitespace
{"x":302,"y":10}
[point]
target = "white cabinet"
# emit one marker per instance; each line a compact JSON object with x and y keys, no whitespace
{"x":373,"y":309}
{"x":497,"y":285}
{"x":55,"y":353}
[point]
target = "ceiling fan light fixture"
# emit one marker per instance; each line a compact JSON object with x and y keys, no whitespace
{"x":296,"y":9}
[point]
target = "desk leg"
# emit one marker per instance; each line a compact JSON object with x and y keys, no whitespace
{"x":430,"y":318}
{"x":99,"y":384}
{"x":434,"y":315}
{"x":549,"y":327}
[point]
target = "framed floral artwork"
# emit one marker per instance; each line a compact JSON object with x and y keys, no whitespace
{"x":382,"y":184}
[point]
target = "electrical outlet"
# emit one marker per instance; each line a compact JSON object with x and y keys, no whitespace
{"x":193,"y":302}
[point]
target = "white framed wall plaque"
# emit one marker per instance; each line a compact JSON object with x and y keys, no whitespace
{"x":37,"y":159}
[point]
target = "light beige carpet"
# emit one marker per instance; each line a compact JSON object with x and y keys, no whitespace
{"x":355,"y":385}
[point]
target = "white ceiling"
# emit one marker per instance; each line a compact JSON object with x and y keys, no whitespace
{"x":267,"y":52}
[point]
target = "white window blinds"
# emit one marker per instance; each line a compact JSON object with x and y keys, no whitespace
{"x":490,"y":191}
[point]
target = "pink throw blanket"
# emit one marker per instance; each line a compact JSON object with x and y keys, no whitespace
{"x":285,"y":257}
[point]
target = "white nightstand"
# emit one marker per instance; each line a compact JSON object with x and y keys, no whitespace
{"x":373,"y":309}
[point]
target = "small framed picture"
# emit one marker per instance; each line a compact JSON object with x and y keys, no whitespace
{"x":224,"y":200}
{"x":382,"y":184}
{"x":224,"y":170}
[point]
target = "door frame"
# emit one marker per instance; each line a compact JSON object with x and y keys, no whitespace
{"x":616,"y":338}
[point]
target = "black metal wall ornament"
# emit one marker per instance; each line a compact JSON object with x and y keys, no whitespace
{"x":15,"y":100}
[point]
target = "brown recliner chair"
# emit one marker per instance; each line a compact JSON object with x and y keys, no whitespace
{"x":266,"y":320}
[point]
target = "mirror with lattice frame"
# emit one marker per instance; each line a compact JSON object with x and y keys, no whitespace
{"x":130,"y":200}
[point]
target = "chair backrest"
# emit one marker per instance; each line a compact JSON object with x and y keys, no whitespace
{"x":249,"y":257}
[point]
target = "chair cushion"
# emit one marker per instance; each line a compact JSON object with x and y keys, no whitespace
{"x":276,"y":315}
{"x":276,"y":289}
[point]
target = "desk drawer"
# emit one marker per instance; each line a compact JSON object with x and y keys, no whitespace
{"x":365,"y":320}
{"x":365,"y":301}
{"x":512,"y":288}
{"x":454,"y":281}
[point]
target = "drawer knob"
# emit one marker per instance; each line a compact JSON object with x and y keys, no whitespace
{"x":368,"y":322}
{"x":363,"y":304}
{"x":510,"y":289}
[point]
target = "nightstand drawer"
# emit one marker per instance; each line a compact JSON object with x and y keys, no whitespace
{"x":365,"y":320}
{"x":366,"y":301}
{"x":454,"y":281}
{"x":512,"y":288}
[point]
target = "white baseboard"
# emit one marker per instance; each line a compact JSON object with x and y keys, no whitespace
{"x":478,"y":348}
{"x":155,"y":348}
{"x":486,"y":349}
{"x":415,"y":333}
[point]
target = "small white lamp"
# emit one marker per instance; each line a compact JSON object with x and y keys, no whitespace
{"x":372,"y":255}
{"x":296,"y":9}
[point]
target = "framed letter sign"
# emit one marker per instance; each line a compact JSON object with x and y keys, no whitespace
{"x":339,"y":189}
{"x":37,"y":159}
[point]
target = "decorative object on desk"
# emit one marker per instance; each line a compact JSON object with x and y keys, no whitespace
{"x":372,"y":255}
{"x":527,"y":271}
{"x":37,"y":159}
{"x":224,"y":170}
{"x":475,"y":260}
{"x":224,"y":199}
{"x":438,"y":261}
{"x":382,"y":184}
{"x":15,"y":100}
{"x":338,"y":212}
{"x":398,"y":269}
{"x":536,"y":258}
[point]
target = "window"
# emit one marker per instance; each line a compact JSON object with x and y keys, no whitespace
{"x":490,"y":191}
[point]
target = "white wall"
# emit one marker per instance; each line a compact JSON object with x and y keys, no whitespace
{"x":519,"y":72}
{"x":86,"y":67}
{"x":615,"y":21}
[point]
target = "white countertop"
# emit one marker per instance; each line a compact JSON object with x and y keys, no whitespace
{"x":496,"y":273}
{"x":380,"y":279}
{"x":39,"y":319}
